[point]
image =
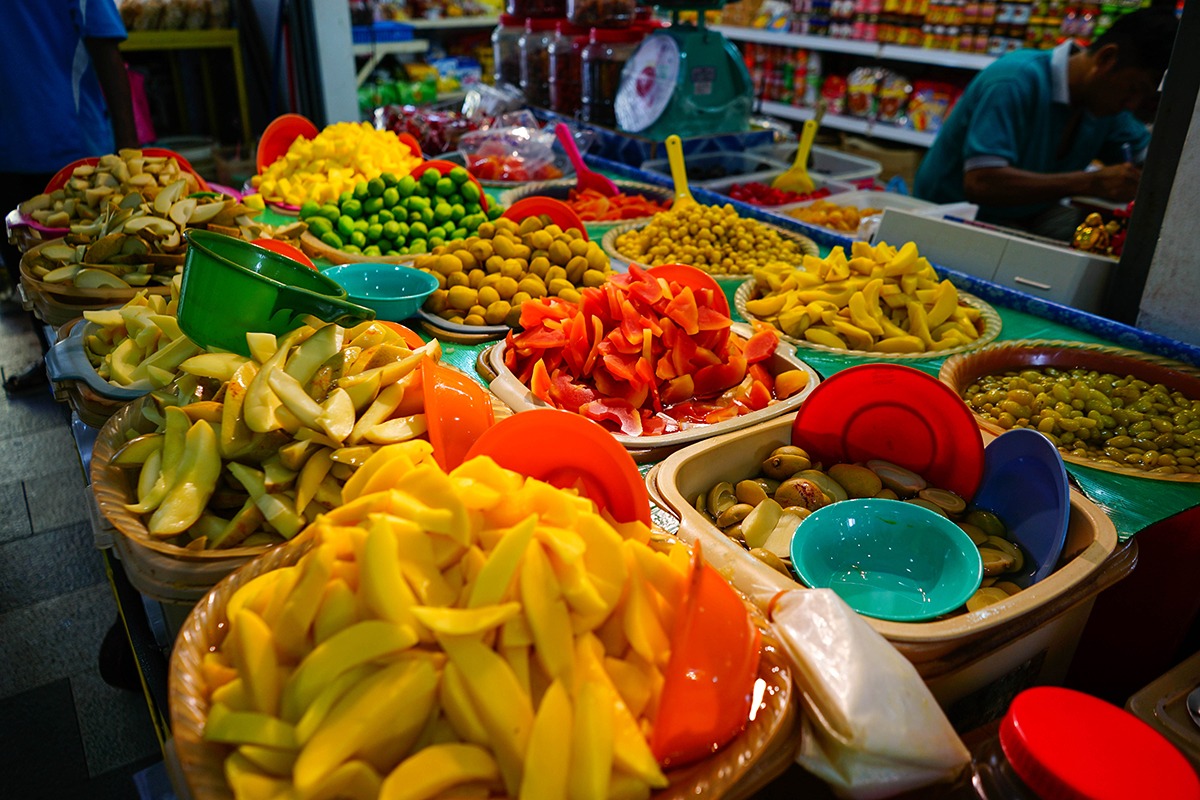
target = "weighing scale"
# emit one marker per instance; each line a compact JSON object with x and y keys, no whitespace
{"x":686,"y":80}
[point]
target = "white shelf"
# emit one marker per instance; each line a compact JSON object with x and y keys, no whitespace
{"x":864,"y":127}
{"x":377,"y":51}
{"x":894,"y":52}
{"x":453,"y":23}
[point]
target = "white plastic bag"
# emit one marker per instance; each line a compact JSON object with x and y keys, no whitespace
{"x":871,"y":727}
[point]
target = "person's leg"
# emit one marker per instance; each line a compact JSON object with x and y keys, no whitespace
{"x":16,"y":187}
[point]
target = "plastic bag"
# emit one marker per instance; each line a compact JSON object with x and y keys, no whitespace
{"x":871,"y":727}
{"x":516,"y":149}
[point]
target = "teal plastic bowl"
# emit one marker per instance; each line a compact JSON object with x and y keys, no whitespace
{"x":394,"y":291}
{"x":888,"y":559}
{"x":232,"y":287}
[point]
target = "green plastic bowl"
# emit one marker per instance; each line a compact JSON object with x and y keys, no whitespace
{"x":394,"y":291}
{"x":888,"y":559}
{"x":232,"y":287}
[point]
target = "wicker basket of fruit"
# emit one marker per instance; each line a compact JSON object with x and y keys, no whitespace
{"x":937,"y":320}
{"x":724,"y":244}
{"x":381,"y":682}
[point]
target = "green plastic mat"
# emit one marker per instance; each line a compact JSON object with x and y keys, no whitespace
{"x":1132,"y":503}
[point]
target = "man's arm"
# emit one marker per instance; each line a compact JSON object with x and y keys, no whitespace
{"x":114,"y":81}
{"x":1009,"y":186}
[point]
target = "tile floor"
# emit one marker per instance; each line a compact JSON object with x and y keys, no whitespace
{"x":64,"y":732}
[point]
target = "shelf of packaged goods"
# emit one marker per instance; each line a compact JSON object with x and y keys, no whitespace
{"x":377,"y":51}
{"x":864,"y":127}
{"x":876,"y":50}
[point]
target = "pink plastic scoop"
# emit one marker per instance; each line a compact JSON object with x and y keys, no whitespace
{"x":584,"y":177}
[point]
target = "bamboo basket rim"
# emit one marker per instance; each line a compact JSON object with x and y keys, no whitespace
{"x":760,"y":752}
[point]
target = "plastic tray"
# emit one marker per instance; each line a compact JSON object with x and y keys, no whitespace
{"x":825,"y":161}
{"x":984,"y":657}
{"x":560,"y":190}
{"x":518,"y":397}
{"x":837,"y":188}
{"x":743,"y":166}
{"x":1163,"y":706}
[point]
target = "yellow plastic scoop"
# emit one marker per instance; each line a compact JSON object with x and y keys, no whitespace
{"x":678,"y":171}
{"x":796,"y":179}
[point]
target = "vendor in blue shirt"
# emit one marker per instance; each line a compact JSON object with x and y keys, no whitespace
{"x":1022,"y":135}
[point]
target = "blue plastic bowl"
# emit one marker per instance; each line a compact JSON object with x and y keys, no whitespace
{"x":394,"y":291}
{"x":888,"y":559}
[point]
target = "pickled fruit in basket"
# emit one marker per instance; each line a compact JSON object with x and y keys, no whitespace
{"x":394,"y":215}
{"x":484,"y":279}
{"x":762,"y":512}
{"x":828,"y":214}
{"x":137,"y":240}
{"x":90,"y":188}
{"x":592,"y":206}
{"x":138,"y":342}
{"x":644,"y":356}
{"x":881,"y":299}
{"x":713,"y":238}
{"x":292,"y":424}
{"x":762,"y":194}
{"x":341,"y":156}
{"x":476,"y":630}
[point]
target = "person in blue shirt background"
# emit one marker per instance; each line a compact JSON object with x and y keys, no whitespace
{"x":1021,"y":137}
{"x":64,"y":95}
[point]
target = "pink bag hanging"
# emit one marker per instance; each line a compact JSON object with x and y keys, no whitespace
{"x":141,"y":106}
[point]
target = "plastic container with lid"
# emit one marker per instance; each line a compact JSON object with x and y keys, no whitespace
{"x":536,"y":8}
{"x":506,"y":47}
{"x":1059,"y":743}
{"x":602,"y":13}
{"x":566,"y":65}
{"x":535,"y":60}
{"x":603,"y":58}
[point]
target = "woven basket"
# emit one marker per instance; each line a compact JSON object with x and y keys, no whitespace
{"x":621,"y":263}
{"x":59,"y":303}
{"x":760,"y":753}
{"x":159,"y":569}
{"x":991,"y":329}
{"x":961,"y":371}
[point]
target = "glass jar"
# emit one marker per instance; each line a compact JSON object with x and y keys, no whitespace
{"x":603,"y":58}
{"x":536,"y":8}
{"x":1057,"y":742}
{"x":602,"y":13}
{"x":566,"y":69}
{"x":535,"y":60}
{"x":506,"y":48}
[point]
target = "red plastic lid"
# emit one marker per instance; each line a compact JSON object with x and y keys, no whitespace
{"x":1066,"y":745}
{"x":615,"y":35}
{"x":898,"y":414}
{"x":565,"y":28}
{"x":565,"y":450}
{"x":444,"y":167}
{"x":512,"y":21}
{"x":536,"y":24}
{"x":286,"y":250}
{"x":687,"y":275}
{"x":280,"y":134}
{"x":559,"y":212}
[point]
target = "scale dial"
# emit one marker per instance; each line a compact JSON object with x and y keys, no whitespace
{"x":648,"y":83}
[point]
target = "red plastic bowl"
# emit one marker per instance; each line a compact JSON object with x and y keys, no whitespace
{"x":898,"y":414}
{"x":559,"y":212}
{"x":279,"y":135}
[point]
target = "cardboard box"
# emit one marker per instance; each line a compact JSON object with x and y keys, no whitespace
{"x":896,"y":161}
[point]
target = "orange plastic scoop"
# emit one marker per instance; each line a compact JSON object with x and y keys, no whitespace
{"x":279,"y":135}
{"x":457,"y":412}
{"x":285,"y":249}
{"x":559,"y":212}
{"x":708,"y":686}
{"x":568,"y":451}
{"x":696,"y":279}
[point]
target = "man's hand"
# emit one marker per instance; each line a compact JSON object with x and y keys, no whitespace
{"x":1118,"y":182}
